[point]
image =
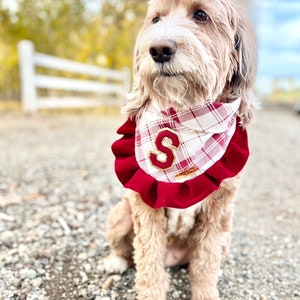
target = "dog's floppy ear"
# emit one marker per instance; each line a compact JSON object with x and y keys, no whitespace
{"x":245,"y":70}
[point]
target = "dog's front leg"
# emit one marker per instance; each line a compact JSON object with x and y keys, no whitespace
{"x":204,"y":268}
{"x":210,"y":240}
{"x":150,"y":225}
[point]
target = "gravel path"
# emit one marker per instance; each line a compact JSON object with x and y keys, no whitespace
{"x":57,"y":185}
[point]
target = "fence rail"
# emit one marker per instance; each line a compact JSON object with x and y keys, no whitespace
{"x":116,"y":83}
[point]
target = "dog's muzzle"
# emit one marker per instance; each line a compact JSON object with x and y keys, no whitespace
{"x":162,"y":51}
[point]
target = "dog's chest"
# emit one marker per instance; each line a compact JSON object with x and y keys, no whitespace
{"x":181,"y":221}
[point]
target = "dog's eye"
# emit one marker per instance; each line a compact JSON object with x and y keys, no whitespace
{"x":155,"y":20}
{"x":201,"y":16}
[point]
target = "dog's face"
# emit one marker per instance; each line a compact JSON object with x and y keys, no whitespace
{"x":191,"y":52}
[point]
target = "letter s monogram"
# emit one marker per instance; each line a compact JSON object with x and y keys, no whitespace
{"x":166,"y":150}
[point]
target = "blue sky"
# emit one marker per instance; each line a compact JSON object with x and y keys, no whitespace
{"x":277,"y":25}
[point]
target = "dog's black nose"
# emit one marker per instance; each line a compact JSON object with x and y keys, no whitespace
{"x":162,"y":50}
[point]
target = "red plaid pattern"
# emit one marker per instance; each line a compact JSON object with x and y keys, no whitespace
{"x":175,"y":146}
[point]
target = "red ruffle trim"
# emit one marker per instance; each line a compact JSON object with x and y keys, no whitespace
{"x":159,"y":194}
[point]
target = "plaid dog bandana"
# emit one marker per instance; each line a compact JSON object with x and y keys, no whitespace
{"x":175,"y":147}
{"x":163,"y":147}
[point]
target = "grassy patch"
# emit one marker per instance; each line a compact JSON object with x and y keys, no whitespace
{"x":284,"y":97}
{"x":10,"y":106}
{"x":7,"y":106}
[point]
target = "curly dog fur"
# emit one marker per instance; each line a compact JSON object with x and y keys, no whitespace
{"x":187,"y":52}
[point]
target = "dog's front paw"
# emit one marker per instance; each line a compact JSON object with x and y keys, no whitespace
{"x":202,"y":295}
{"x":115,"y":264}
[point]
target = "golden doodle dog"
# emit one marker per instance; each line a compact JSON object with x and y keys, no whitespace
{"x":183,"y":145}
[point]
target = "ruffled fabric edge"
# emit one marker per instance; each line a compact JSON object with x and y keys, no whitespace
{"x":159,"y":194}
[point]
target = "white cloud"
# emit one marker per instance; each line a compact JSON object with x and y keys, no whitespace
{"x":278,"y":32}
{"x":285,"y":64}
{"x":287,"y":6}
{"x":289,"y":33}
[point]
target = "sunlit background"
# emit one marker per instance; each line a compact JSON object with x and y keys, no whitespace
{"x":57,"y":180}
{"x":277,"y":25}
{"x":102,"y":32}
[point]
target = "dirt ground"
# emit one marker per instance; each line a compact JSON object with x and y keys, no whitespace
{"x":57,"y":184}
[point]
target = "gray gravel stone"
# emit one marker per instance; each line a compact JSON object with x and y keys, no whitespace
{"x":28,"y":273}
{"x":37,"y":282}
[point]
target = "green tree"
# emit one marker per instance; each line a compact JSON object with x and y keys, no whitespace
{"x":121,"y":22}
{"x":66,"y":29}
{"x":51,"y":25}
{"x":55,"y":28}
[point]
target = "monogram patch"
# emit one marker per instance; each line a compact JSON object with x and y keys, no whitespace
{"x":166,"y":142}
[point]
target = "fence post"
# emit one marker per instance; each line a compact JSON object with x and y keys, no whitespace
{"x":27,"y":76}
{"x":126,"y":80}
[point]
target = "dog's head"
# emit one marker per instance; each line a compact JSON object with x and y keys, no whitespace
{"x":190,"y":52}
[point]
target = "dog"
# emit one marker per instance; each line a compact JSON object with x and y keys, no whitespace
{"x":184,"y":144}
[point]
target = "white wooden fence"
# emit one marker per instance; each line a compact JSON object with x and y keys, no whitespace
{"x":113,"y":83}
